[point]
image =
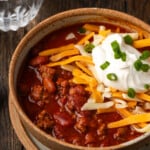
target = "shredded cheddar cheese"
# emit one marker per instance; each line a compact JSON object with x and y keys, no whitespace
{"x":141,"y":43}
{"x":132,"y":119}
{"x":104,"y":32}
{"x":70,"y":60}
{"x":144,"y":96}
{"x":56,"y":50}
{"x":91,"y":27}
{"x":84,"y":68}
{"x":86,"y":38}
{"x":63,"y":54}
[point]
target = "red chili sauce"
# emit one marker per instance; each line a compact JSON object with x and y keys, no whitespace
{"x":54,"y":104}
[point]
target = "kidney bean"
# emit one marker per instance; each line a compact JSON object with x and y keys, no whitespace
{"x":49,"y":85}
{"x":63,"y":118}
{"x":39,"y":60}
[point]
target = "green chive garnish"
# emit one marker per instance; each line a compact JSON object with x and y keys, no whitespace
{"x":116,"y":48}
{"x":138,"y":64}
{"x":145,"y":67}
{"x":146,"y":86}
{"x":131,"y":92}
{"x":89,"y":47}
{"x":104,"y":65}
{"x":145,"y":54}
{"x":112,"y":76}
{"x":117,"y":55}
{"x":117,"y":52}
{"x":82,"y":30}
{"x":128,"y":39}
{"x":123,"y":56}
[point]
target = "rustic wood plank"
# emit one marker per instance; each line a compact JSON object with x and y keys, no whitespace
{"x":139,"y":8}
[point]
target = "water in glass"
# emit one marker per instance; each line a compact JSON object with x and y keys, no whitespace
{"x":17,"y":13}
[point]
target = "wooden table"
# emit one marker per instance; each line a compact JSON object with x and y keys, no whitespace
{"x":9,"y":41}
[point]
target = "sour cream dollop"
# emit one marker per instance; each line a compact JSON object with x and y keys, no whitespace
{"x":128,"y":76}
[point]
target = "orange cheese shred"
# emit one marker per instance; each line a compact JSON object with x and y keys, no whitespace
{"x":91,"y":82}
{"x":144,"y":96}
{"x":52,"y":51}
{"x":86,"y":38}
{"x":125,"y":113}
{"x":108,"y":110}
{"x":84,"y":68}
{"x":130,"y":120}
{"x":141,"y":43}
{"x":104,"y":32}
{"x":91,"y":27}
{"x":63,"y":54}
{"x":117,"y":94}
{"x":79,"y":80}
{"x":86,"y":59}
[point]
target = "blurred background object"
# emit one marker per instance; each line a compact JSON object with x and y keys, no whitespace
{"x":17,"y":13}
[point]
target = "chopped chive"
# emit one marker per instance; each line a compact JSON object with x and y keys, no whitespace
{"x":89,"y":47}
{"x":138,"y":64}
{"x":146,"y":86}
{"x":115,"y":46}
{"x":104,"y":65}
{"x":112,"y":76}
{"x":145,"y":67}
{"x":128,"y":39}
{"x":145,"y":54}
{"x":81,"y":30}
{"x":117,"y":52}
{"x":117,"y":55}
{"x":123,"y":56}
{"x":131,"y":92}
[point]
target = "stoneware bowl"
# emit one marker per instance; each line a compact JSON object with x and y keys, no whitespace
{"x":46,"y":27}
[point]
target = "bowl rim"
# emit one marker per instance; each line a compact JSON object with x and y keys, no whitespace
{"x":69,"y":13}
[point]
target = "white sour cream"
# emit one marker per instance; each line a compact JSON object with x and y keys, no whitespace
{"x":127,"y":75}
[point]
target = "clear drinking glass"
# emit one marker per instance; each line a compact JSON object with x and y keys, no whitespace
{"x":17,"y":13}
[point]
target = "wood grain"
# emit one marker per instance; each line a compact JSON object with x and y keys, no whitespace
{"x":9,"y":41}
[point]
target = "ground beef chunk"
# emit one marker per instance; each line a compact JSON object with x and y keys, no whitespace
{"x":101,"y":129}
{"x":81,"y":124}
{"x":58,"y":131}
{"x":76,"y":98}
{"x":63,"y":86}
{"x":44,"y":120}
{"x":38,"y":93}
